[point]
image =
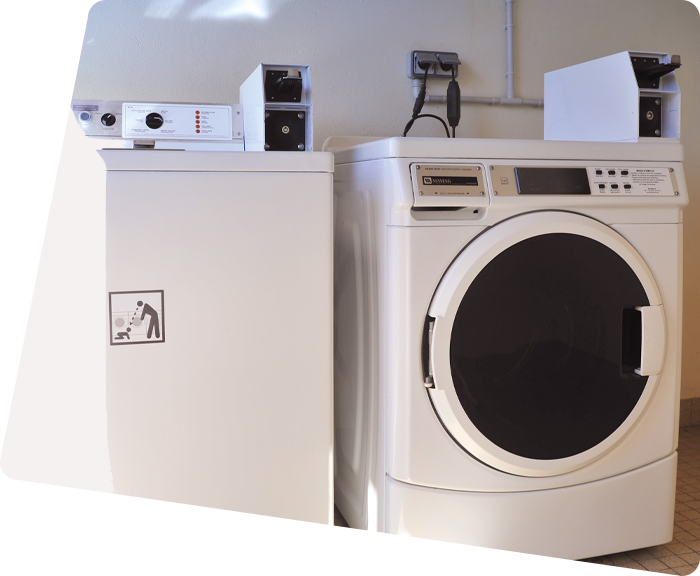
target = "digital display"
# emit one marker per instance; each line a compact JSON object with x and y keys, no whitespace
{"x":552,"y":181}
{"x":450,"y":181}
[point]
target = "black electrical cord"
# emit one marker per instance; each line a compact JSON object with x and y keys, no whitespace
{"x":420,"y":101}
{"x":418,"y":105}
{"x":454,"y":111}
{"x":447,"y":130}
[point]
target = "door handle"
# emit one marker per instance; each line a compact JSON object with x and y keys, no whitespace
{"x":653,"y":340}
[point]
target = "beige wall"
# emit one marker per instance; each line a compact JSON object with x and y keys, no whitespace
{"x":198,"y":50}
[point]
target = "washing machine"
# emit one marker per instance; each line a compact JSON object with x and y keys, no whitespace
{"x":508,"y":341}
{"x":185,"y":287}
{"x":219,"y":329}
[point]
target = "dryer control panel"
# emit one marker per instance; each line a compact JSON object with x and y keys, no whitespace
{"x":631,"y":181}
{"x":583,"y":180}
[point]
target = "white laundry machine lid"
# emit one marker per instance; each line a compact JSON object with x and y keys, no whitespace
{"x":546,"y":336}
{"x":348,"y":150}
{"x":215,"y":161}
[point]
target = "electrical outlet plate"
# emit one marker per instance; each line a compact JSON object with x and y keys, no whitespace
{"x":435,"y":71}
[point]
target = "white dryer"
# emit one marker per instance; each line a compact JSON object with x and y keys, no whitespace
{"x":507,"y":341}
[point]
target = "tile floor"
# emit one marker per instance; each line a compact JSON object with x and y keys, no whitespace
{"x":682,"y":554}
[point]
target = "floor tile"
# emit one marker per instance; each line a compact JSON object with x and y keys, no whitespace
{"x":693,"y":558}
{"x":666,"y":571}
{"x":674,"y":561}
{"x":653,"y":565}
{"x":685,"y":570}
{"x":633,"y":568}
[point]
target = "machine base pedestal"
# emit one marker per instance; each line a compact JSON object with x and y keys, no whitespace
{"x":626,"y":512}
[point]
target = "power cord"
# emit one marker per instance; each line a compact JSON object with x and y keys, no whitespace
{"x":420,"y":100}
{"x":418,"y":106}
{"x":447,"y":61}
{"x":454,"y":107}
{"x":447,"y":130}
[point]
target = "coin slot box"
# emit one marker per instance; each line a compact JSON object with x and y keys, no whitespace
{"x":620,"y":98}
{"x":276,"y":100}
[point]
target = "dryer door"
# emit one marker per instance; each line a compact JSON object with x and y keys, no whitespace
{"x":546,"y":338}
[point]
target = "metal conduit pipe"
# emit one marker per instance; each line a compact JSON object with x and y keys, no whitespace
{"x":509,"y":99}
{"x":491,"y":101}
{"x":509,"y":47}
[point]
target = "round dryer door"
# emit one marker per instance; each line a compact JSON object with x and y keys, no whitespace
{"x":546,"y":335}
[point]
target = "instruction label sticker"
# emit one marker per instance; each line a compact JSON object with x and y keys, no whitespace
{"x":613,"y":181}
{"x":136,"y":317}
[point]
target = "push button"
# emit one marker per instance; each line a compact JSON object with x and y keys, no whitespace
{"x":628,"y":186}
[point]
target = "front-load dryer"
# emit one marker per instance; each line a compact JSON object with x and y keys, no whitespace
{"x":507,"y":345}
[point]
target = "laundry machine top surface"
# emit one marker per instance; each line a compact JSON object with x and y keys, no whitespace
{"x":216,"y":161}
{"x":348,"y":150}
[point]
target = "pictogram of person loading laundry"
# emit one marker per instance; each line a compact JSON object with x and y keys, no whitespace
{"x":137,"y":317}
{"x":152,"y":321}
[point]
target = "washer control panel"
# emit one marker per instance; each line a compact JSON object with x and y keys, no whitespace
{"x":178,"y":121}
{"x":160,"y":121}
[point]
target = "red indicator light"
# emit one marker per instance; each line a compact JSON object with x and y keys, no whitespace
{"x":197,"y":131}
{"x":196,"y":112}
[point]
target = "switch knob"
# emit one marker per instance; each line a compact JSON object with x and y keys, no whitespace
{"x":154,"y":120}
{"x":108,"y":119}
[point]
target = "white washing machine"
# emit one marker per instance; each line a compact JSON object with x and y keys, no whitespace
{"x":219,"y":339}
{"x":507,"y":341}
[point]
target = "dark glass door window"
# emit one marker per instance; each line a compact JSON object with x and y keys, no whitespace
{"x":537,"y":346}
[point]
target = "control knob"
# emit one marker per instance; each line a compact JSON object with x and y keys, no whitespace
{"x":154,"y":120}
{"x":108,"y":119}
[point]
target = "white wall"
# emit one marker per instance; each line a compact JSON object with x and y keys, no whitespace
{"x":202,"y":50}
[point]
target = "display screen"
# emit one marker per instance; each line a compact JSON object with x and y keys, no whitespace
{"x":450,"y":181}
{"x":552,"y":181}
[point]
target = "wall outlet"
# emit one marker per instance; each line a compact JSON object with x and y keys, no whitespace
{"x":413,"y":70}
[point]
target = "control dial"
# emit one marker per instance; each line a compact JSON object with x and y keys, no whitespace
{"x":108,"y":119}
{"x":154,"y":120}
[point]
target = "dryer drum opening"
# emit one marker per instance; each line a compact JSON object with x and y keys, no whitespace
{"x":536,"y":347}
